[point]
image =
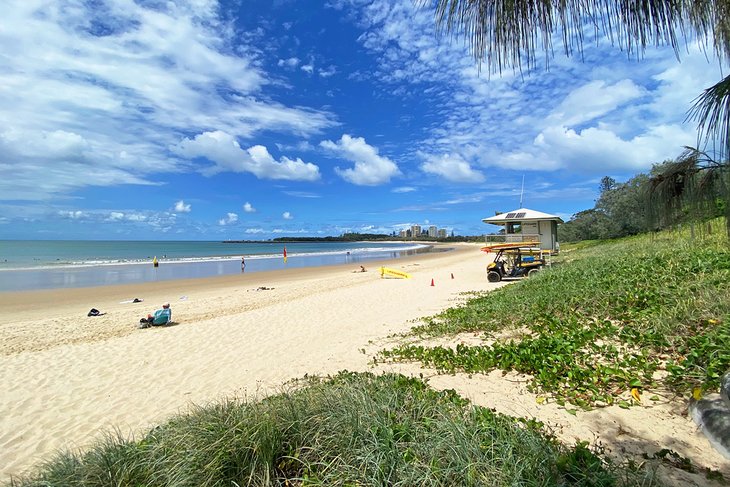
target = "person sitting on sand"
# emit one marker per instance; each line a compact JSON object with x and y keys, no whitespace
{"x":161,"y":317}
{"x":362,"y":269}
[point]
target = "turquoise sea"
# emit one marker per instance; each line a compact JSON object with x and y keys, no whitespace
{"x":49,"y":264}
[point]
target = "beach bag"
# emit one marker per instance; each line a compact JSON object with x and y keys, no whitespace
{"x":93,"y":312}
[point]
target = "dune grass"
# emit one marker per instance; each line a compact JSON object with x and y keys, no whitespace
{"x":350,"y":429}
{"x":602,"y":321}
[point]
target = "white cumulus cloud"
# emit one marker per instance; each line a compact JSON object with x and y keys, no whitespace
{"x":291,"y":62}
{"x":593,"y":100}
{"x":181,"y":207}
{"x":287,"y":216}
{"x":226,"y":153}
{"x":248,"y":208}
{"x":327,"y":72}
{"x":595,"y":147}
{"x":452,"y":167}
{"x":370,"y":168}
{"x":74,"y":215}
{"x":229,"y":219}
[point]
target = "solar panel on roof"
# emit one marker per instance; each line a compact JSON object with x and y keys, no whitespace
{"x":510,"y":215}
{"x":520,"y":214}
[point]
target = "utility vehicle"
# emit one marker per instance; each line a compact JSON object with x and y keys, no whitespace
{"x":521,"y":259}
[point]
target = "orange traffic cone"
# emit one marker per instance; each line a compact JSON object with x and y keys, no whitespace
{"x":432,"y":284}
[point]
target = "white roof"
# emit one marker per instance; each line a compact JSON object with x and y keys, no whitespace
{"x":521,"y":215}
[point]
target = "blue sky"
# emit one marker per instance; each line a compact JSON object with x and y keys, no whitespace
{"x":212,"y":120}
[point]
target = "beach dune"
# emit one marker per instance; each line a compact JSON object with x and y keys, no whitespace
{"x":69,"y":378}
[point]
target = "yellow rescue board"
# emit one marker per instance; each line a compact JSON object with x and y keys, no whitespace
{"x":514,"y":245}
{"x":387,"y":272}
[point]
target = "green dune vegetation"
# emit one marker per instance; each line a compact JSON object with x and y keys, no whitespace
{"x":648,"y":312}
{"x":350,"y":429}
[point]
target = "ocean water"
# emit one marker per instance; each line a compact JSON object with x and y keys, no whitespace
{"x":50,"y":264}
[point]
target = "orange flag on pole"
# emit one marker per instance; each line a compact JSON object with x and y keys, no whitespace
{"x":285,"y":254}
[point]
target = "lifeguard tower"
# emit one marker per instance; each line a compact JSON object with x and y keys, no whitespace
{"x":525,"y":225}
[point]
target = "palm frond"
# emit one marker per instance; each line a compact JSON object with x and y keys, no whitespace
{"x":507,"y":33}
{"x":711,"y":110}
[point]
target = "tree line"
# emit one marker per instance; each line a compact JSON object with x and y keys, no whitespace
{"x":689,"y":189}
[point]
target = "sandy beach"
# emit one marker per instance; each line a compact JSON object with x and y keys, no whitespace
{"x":68,"y":378}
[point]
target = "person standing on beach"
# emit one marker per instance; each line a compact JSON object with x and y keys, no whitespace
{"x":243,"y":264}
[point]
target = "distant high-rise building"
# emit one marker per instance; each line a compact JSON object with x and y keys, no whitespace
{"x":442,"y":233}
{"x":403,"y":233}
{"x":432,"y":231}
{"x":415,"y":230}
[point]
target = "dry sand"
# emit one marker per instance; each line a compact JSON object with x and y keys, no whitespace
{"x":68,"y":378}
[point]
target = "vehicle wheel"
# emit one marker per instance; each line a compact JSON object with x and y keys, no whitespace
{"x":532,"y":272}
{"x":493,"y":276}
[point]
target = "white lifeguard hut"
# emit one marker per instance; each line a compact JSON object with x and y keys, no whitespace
{"x":525,"y":225}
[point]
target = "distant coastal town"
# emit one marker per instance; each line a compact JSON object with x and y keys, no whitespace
{"x":415,"y":232}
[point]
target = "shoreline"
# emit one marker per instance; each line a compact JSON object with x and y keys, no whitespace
{"x":99,"y":274}
{"x":29,"y":299}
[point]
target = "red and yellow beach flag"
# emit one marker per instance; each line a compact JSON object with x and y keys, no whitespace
{"x":285,"y":254}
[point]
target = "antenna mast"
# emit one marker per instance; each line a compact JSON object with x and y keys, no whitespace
{"x":522,"y":192}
